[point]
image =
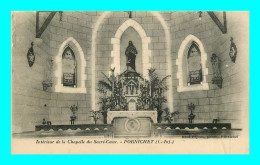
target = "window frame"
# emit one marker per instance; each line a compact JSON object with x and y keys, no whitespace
{"x":80,"y":68}
{"x":74,"y":85}
{"x":182,"y":63}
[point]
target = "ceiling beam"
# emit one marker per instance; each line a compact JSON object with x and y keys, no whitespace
{"x":222,"y":27}
{"x":40,"y":30}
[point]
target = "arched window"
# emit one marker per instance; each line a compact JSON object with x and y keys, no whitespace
{"x":191,"y":62}
{"x":69,"y":68}
{"x":194,"y":65}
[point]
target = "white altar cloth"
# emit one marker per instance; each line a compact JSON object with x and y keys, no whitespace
{"x":131,"y":115}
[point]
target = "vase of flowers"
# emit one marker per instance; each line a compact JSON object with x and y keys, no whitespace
{"x":95,"y":116}
{"x":191,"y":116}
{"x":74,"y":110}
{"x":170,"y":115}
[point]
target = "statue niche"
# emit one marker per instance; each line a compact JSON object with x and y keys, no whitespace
{"x":124,"y":89}
{"x":130,"y":78}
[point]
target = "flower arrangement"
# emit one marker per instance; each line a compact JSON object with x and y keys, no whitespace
{"x":74,"y":110}
{"x":169,"y":115}
{"x":95,"y":116}
{"x":152,"y":93}
{"x":191,"y":116}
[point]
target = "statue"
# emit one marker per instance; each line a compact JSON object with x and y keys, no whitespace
{"x":31,"y":56}
{"x":216,"y":65}
{"x":233,"y":50}
{"x":191,"y":116}
{"x":131,"y":55}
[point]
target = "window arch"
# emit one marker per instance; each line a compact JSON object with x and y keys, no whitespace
{"x":192,"y":70}
{"x":70,"y":68}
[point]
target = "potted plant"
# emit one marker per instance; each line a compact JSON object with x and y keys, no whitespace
{"x":74,"y":110}
{"x":159,"y":115}
{"x":169,"y":115}
{"x":104,"y":114}
{"x":144,"y":99}
{"x":112,"y":96}
{"x":95,"y":116}
{"x":191,"y":116}
{"x":156,"y":92}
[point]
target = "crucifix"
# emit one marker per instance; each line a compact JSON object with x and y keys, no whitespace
{"x":129,"y":13}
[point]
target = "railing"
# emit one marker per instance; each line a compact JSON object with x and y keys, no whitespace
{"x":197,"y":129}
{"x":158,"y":130}
{"x":102,"y":130}
{"x":87,"y":127}
{"x":193,"y":126}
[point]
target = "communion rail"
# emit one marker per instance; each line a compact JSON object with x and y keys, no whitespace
{"x":102,"y":130}
{"x":193,"y":126}
{"x":88,"y":127}
{"x":196,"y":130}
{"x":157,"y":130}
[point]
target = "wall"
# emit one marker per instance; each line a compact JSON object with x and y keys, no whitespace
{"x":79,"y":26}
{"x":152,"y":28}
{"x":233,"y":98}
{"x":28,"y":97}
{"x":222,"y":103}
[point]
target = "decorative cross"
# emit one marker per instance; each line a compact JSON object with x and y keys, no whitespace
{"x":129,"y":13}
{"x":131,"y":86}
{"x":60,"y":12}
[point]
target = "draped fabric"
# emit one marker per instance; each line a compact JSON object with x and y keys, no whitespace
{"x":69,"y":67}
{"x":194,"y":64}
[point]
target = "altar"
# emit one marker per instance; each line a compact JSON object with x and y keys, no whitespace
{"x":132,"y":123}
{"x":131,"y":115}
{"x":129,"y":101}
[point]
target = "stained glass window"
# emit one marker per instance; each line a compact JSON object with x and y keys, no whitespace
{"x":69,"y":68}
{"x":194,"y":65}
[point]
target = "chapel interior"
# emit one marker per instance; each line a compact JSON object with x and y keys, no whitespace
{"x":130,"y":73}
